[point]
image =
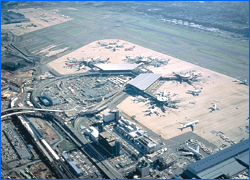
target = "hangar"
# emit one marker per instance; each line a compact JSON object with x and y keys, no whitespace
{"x":225,"y":163}
{"x":143,"y":81}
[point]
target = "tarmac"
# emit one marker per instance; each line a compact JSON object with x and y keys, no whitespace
{"x":230,"y":96}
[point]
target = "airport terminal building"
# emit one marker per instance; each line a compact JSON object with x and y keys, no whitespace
{"x":143,"y":81}
{"x":223,"y":164}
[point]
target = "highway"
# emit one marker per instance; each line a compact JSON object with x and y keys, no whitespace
{"x":34,"y":109}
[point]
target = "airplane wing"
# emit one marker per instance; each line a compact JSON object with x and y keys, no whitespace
{"x":157,"y":112}
{"x":188,"y":153}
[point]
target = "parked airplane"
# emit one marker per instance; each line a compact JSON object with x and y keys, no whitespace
{"x":72,"y":60}
{"x":189,"y":124}
{"x":243,"y":81}
{"x":95,"y":59}
{"x":193,"y":152}
{"x":87,"y":60}
{"x":154,"y":110}
{"x":103,"y":44}
{"x":153,"y":58}
{"x":194,"y":93}
{"x":114,"y":49}
{"x":163,"y":61}
{"x":196,"y":74}
{"x":182,"y":76}
{"x":140,"y":57}
{"x":214,"y":107}
{"x":161,"y":98}
{"x":103,"y":60}
{"x":81,"y":67}
{"x":71,"y":64}
{"x":130,"y":49}
{"x":120,"y":46}
{"x":131,"y":58}
{"x":141,"y":99}
{"x":113,"y":43}
{"x":109,"y":47}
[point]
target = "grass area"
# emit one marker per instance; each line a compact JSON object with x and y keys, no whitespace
{"x":62,"y":25}
{"x":93,"y":26}
{"x":192,"y":54}
{"x":104,"y":20}
{"x":76,"y":31}
{"x":66,"y":145}
{"x":151,"y":34}
{"x":180,"y":57}
{"x":198,"y":35}
{"x":131,"y":39}
{"x":77,"y":21}
{"x":83,"y":120}
{"x":219,"y":55}
{"x":217,"y":70}
{"x":38,"y":46}
{"x":190,"y":43}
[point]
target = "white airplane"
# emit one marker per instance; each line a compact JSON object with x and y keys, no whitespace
{"x":151,"y":111}
{"x":196,"y":74}
{"x":164,"y":94}
{"x":153,"y":58}
{"x":87,"y":60}
{"x":141,"y":99}
{"x":183,"y":76}
{"x":114,"y":49}
{"x":214,"y":107}
{"x":120,"y":45}
{"x":113,"y":43}
{"x":190,"y":124}
{"x":161,"y":98}
{"x":194,"y":93}
{"x":131,"y":58}
{"x":72,"y":60}
{"x":140,"y":57}
{"x":103,"y":44}
{"x":193,"y":152}
{"x":163,"y":61}
{"x":103,"y":60}
{"x":95,"y":59}
{"x":81,"y":67}
{"x":243,"y":81}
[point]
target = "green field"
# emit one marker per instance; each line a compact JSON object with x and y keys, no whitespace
{"x":219,"y":55}
{"x":67,"y":145}
{"x":76,"y":31}
{"x":77,"y":21}
{"x":83,"y":120}
{"x":62,"y":25}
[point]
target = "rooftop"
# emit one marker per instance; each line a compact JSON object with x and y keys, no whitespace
{"x":117,"y":67}
{"x":143,"y":81}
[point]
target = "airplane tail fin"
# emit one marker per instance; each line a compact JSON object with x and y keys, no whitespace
{"x":197,"y":149}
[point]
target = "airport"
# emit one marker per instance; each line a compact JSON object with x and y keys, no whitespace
{"x":113,"y":109}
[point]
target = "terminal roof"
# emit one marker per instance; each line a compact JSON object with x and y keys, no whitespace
{"x":143,"y":81}
{"x":117,"y":67}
